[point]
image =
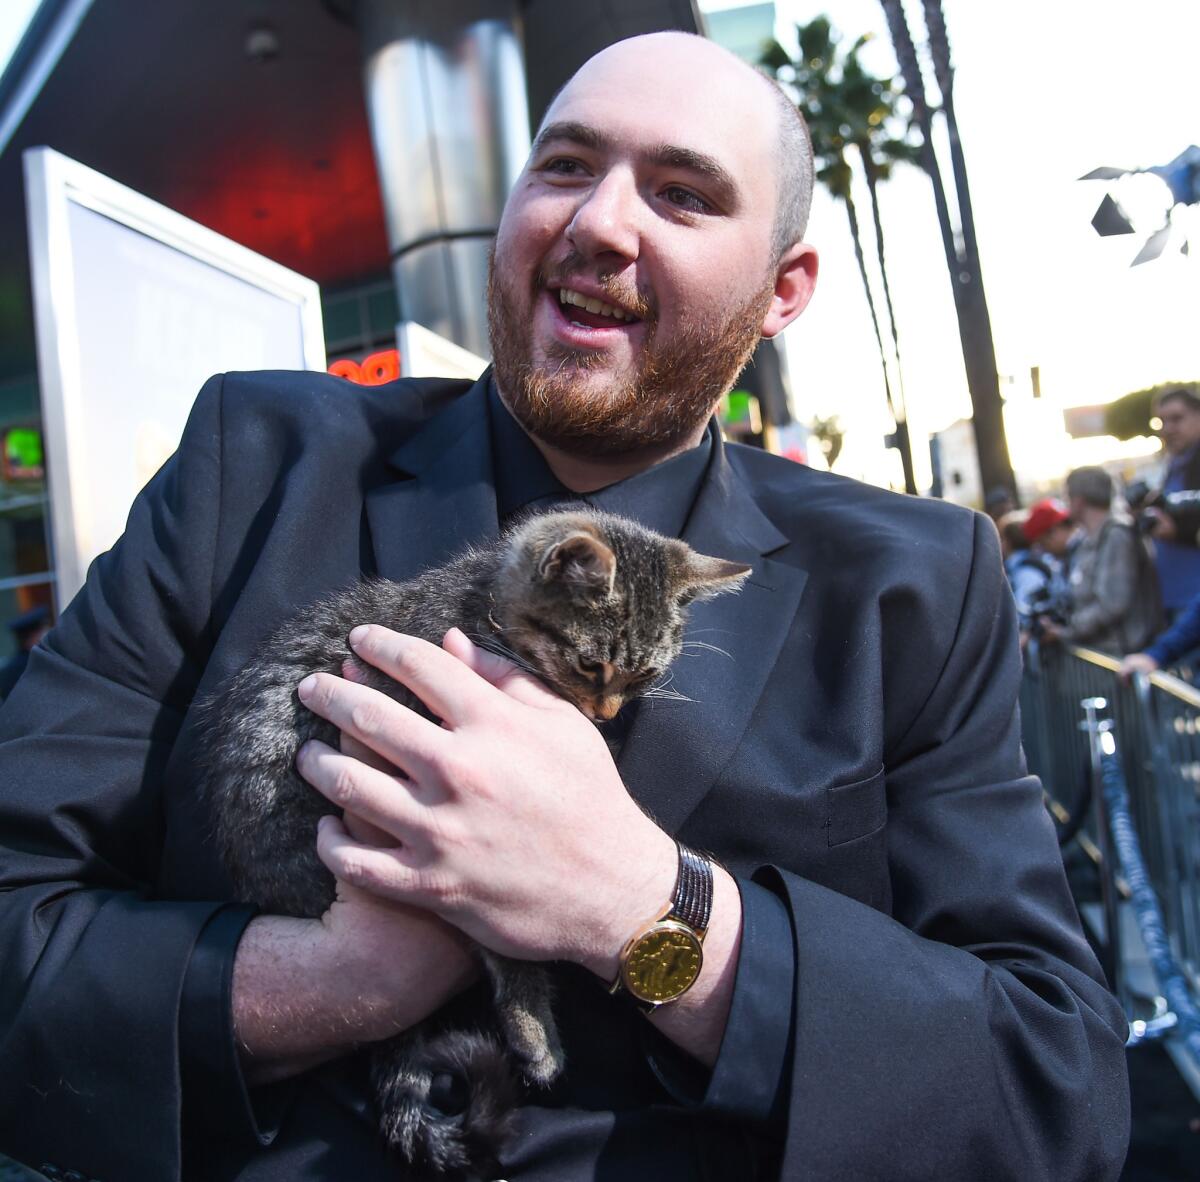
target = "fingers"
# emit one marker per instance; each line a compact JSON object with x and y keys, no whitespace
{"x":386,"y":803}
{"x":451,"y":691}
{"x":360,"y":751}
{"x":501,"y":673}
{"x":380,"y":871}
{"x":400,"y":736}
{"x":397,"y":873}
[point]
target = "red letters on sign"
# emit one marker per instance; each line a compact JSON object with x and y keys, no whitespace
{"x":374,"y":370}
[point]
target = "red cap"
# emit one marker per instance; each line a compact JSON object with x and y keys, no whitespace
{"x":1043,"y":517}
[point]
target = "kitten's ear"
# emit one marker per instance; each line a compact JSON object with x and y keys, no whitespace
{"x":582,"y":562}
{"x":703,"y":577}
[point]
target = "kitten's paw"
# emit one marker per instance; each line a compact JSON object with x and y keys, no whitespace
{"x":542,"y":1059}
{"x":446,"y":1104}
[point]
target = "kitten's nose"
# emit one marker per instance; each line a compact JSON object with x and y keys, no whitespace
{"x":605,"y":709}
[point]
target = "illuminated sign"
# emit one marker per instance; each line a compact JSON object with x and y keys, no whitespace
{"x":22,"y":454}
{"x":738,"y":414}
{"x":374,"y":370}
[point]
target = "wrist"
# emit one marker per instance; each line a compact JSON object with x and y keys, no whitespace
{"x":647,"y":881}
{"x":663,"y":957}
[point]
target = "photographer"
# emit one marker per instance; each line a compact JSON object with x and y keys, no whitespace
{"x":1115,"y":604}
{"x":1036,"y":574}
{"x":1173,"y":517}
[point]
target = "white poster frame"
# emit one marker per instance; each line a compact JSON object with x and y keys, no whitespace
{"x":53,"y":183}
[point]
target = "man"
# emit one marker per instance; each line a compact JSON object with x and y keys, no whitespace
{"x":1176,"y":549}
{"x":1036,"y":574}
{"x":894,"y":984}
{"x":1114,"y":598}
{"x":998,"y":503}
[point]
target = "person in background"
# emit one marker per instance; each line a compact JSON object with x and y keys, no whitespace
{"x":1036,"y":574}
{"x":28,"y":628}
{"x":998,"y":503}
{"x":1177,"y":552}
{"x":1180,"y":639}
{"x":1013,"y":543}
{"x":1115,"y":606}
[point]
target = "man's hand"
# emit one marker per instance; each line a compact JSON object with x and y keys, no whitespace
{"x":1163,"y":529}
{"x":509,"y":820}
{"x":1048,"y":632}
{"x":1137,"y":663}
{"x":308,"y":990}
{"x":305,"y":991}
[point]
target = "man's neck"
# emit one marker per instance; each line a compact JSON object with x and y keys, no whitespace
{"x":584,"y":474}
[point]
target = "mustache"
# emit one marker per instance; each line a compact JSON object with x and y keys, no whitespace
{"x":643,"y":306}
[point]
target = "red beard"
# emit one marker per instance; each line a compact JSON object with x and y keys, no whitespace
{"x":673,"y":392}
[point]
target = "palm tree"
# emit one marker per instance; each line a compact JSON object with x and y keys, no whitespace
{"x":961,"y":250}
{"x":846,"y":107}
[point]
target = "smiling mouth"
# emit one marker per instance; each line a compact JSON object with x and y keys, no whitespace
{"x":588,"y":312}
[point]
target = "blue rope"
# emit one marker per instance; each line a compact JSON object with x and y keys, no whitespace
{"x":1171,"y":980}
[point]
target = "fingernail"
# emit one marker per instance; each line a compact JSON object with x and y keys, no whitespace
{"x":357,"y":635}
{"x":306,"y":687}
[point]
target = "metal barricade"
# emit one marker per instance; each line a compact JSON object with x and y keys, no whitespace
{"x":1077,"y":711}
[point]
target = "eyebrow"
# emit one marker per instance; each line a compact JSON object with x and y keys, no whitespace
{"x":725,"y":188}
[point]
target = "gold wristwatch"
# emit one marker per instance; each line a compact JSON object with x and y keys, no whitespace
{"x":661,"y":961}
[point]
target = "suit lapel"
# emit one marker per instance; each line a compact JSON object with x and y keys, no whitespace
{"x":675,"y":750}
{"x":443,"y":495}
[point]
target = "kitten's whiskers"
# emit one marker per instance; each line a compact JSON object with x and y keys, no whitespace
{"x":712,"y":648}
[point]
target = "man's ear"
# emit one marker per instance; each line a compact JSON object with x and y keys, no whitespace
{"x":795,"y":278}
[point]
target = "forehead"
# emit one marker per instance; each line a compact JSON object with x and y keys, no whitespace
{"x":681,"y":92}
{"x":1176,"y":408}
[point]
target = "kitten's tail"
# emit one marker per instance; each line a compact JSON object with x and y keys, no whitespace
{"x":446,"y":1101}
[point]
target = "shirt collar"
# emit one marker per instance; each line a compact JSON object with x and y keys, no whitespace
{"x":660,"y":498}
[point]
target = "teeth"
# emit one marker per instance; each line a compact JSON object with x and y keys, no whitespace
{"x":590,"y":304}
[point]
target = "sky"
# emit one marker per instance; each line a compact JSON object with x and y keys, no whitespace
{"x":1044,"y":92}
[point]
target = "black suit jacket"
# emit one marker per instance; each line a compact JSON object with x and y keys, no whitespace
{"x":856,"y":751}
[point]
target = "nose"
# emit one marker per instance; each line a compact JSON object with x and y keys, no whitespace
{"x":606,"y":222}
{"x":605,"y":709}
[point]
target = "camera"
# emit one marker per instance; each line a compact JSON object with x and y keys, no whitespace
{"x":1047,"y":606}
{"x":1182,"y":507}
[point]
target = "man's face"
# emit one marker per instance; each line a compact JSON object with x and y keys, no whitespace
{"x":1056,"y":539}
{"x":1180,"y":425}
{"x":650,"y":192}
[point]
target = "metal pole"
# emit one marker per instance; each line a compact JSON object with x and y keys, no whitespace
{"x":445,"y":94}
{"x":1100,"y":741}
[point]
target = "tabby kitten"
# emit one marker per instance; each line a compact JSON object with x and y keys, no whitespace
{"x":591,"y":603}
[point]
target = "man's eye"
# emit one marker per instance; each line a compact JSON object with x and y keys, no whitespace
{"x":560,"y":166}
{"x":686,"y":199}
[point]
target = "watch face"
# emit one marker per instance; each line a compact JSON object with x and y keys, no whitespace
{"x":662,"y":964}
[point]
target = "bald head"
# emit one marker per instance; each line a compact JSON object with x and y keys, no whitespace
{"x":679,"y":61}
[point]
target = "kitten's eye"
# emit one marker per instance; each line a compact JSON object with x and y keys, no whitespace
{"x":588,"y":667}
{"x":643,"y":680}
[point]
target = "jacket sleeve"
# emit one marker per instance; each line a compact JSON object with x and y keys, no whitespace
{"x":93,"y":963}
{"x":1181,"y":638}
{"x":969,"y":1034}
{"x":1114,"y":584}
